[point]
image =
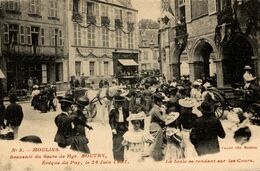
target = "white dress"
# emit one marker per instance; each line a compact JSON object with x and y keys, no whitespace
{"x":134,"y":142}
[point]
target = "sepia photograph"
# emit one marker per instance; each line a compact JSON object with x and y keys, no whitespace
{"x":129,"y":85}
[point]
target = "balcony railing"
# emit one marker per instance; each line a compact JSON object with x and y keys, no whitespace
{"x":35,"y":50}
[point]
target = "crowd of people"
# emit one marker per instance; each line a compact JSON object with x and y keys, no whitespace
{"x":164,"y":121}
{"x":172,"y":120}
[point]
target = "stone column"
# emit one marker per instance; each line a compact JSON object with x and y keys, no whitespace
{"x":219,"y":72}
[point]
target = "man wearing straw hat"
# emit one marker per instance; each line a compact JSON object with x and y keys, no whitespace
{"x":248,"y":77}
{"x":119,"y":125}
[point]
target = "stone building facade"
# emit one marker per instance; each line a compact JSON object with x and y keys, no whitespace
{"x":101,"y":33}
{"x":149,"y":50}
{"x":220,"y":37}
{"x":32,"y":42}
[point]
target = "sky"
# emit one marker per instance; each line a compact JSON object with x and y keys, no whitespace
{"x":148,"y":9}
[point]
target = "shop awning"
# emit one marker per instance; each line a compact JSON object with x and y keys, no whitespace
{"x":2,"y":74}
{"x":128,"y":62}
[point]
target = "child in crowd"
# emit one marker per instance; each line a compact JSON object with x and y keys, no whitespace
{"x":135,"y":139}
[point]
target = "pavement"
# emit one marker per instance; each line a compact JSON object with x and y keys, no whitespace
{"x":100,"y":143}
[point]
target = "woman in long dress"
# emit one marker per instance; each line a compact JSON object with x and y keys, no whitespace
{"x":174,"y":147}
{"x":158,"y":114}
{"x":187,"y":119}
{"x":79,"y":140}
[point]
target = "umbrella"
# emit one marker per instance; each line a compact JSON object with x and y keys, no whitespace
{"x":1,"y":74}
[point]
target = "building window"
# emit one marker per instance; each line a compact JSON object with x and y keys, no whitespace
{"x":75,"y":6}
{"x":22,"y":35}
{"x":104,"y":10}
{"x":13,"y":5}
{"x":35,"y":35}
{"x":106,"y":66}
{"x":78,"y":68}
{"x":91,"y":36}
{"x":77,"y":35}
{"x":13,"y":34}
{"x":130,"y":18}
{"x":118,"y":14}
{"x":35,"y":6}
{"x":199,"y":8}
{"x":42,"y":36}
{"x":59,"y":72}
{"x":54,"y":36}
{"x":53,"y":11}
{"x":130,"y":41}
{"x":105,"y":37}
{"x":145,"y":55}
{"x":90,"y":9}
{"x":118,"y":39}
{"x":91,"y":68}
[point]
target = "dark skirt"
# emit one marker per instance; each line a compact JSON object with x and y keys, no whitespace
{"x":118,"y":148}
{"x":80,"y":143}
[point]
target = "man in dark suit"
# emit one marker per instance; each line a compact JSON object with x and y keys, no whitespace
{"x":119,"y":125}
{"x":14,"y":115}
{"x":63,"y":121}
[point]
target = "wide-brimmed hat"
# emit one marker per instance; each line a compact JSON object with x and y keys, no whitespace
{"x":197,"y":83}
{"x":247,"y":67}
{"x":35,"y":86}
{"x":64,"y":100}
{"x":207,"y":85}
{"x":206,"y":107}
{"x":83,"y":101}
{"x":136,"y":116}
{"x":187,"y":102}
{"x":171,"y":117}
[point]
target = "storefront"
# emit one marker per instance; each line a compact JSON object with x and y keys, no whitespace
{"x":125,"y":67}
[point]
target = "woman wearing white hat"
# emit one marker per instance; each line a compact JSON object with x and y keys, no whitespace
{"x":135,"y":138}
{"x":187,"y":119}
{"x":248,"y":77}
{"x":174,"y":148}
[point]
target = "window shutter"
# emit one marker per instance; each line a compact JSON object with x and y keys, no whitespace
{"x":188,"y":10}
{"x":28,"y":35}
{"x":60,"y":38}
{"x":42,"y":36}
{"x":6,"y":33}
{"x":22,"y":35}
{"x":212,"y":7}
